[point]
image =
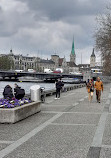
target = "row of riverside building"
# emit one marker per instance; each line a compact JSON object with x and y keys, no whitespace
{"x":22,"y":62}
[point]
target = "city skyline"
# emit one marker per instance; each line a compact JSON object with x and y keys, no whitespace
{"x":41,"y":28}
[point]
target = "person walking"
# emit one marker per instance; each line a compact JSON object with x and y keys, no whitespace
{"x":62,"y":88}
{"x":98,"y":86}
{"x":90,"y":89}
{"x":58,"y":85}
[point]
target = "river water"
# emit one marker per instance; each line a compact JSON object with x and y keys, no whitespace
{"x":25,"y":85}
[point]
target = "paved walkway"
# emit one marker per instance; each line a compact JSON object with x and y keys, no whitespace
{"x":67,"y":128}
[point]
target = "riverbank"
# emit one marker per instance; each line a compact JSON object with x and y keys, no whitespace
{"x":66,"y":127}
{"x":66,"y":89}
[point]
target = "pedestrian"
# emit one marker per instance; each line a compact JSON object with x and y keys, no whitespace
{"x":58,"y":85}
{"x":19,"y":92}
{"x":62,"y":87}
{"x":98,"y":86}
{"x":8,"y":93}
{"x":90,"y":90}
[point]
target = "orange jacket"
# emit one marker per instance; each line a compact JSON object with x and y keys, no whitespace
{"x":98,"y":85}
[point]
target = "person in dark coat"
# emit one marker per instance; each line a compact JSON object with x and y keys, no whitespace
{"x":18,"y":92}
{"x":62,"y":87}
{"x":59,"y":85}
{"x":8,"y":93}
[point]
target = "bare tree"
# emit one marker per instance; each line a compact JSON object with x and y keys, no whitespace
{"x":103,"y":40}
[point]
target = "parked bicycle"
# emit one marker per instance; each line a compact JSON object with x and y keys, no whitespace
{"x":42,"y":95}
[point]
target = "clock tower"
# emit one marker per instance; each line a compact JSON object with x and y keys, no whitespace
{"x":93,"y":59}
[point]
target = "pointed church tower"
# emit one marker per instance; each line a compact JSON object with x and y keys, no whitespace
{"x":73,"y":55}
{"x":93,"y":59}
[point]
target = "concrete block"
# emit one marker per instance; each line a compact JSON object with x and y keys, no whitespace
{"x":19,"y":113}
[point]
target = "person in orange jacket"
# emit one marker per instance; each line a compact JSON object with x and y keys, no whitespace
{"x":98,"y":86}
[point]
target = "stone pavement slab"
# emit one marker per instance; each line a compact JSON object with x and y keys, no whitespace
{"x":2,"y":146}
{"x":56,"y":108}
{"x":12,"y":132}
{"x":107,"y":132}
{"x":85,"y":106}
{"x":78,"y":118}
{"x":94,"y":152}
{"x":105,"y":153}
{"x":67,"y":99}
{"x":57,"y":141}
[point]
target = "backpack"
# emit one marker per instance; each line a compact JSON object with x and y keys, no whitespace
{"x":21,"y":92}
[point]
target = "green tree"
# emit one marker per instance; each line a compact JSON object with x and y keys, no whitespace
{"x":6,"y":63}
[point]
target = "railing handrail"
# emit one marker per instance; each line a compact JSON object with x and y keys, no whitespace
{"x":52,"y":91}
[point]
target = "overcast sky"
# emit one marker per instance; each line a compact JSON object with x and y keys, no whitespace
{"x":45,"y":27}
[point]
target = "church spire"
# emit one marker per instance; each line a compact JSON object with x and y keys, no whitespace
{"x":73,"y":49}
{"x":73,"y":55}
{"x":93,"y":54}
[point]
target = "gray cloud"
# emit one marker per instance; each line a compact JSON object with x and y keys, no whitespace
{"x":49,"y":26}
{"x":56,"y":10}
